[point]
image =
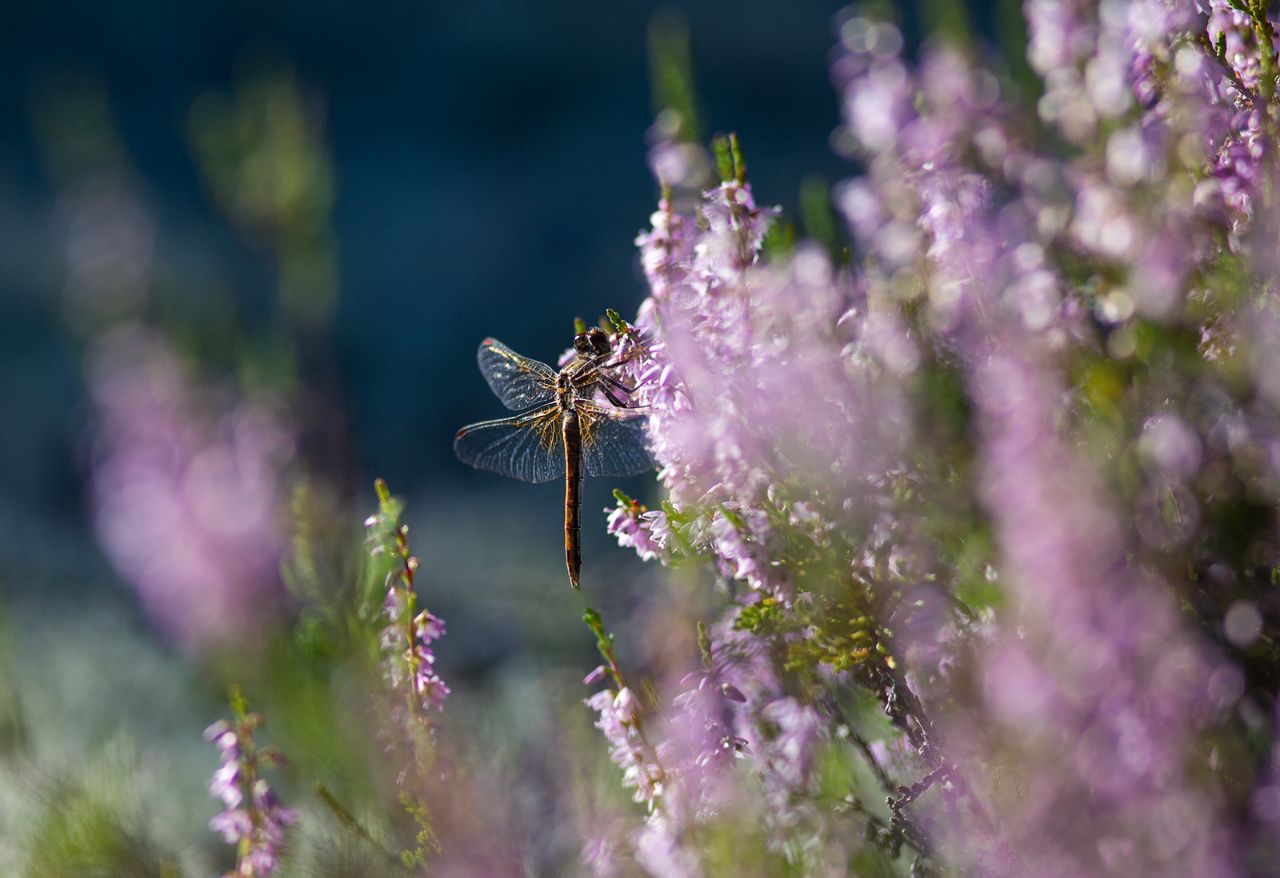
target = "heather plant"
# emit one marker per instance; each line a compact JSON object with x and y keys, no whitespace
{"x":1001,"y":468}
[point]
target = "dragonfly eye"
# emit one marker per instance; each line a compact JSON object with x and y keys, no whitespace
{"x":596,"y":340}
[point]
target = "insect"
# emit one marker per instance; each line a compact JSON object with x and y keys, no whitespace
{"x":562,"y":428}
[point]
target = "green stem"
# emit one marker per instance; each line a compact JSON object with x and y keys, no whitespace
{"x":348,"y":820}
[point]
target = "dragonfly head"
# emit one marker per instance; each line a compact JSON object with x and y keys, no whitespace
{"x":592,"y":343}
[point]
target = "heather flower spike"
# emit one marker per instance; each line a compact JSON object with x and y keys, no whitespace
{"x":253,"y":820}
{"x":620,"y":721}
{"x":407,"y":637}
{"x":633,"y":524}
{"x":185,"y":489}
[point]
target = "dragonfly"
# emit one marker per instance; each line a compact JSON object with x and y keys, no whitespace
{"x":563,"y":428}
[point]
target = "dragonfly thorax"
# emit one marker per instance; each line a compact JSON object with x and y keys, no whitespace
{"x":565,"y":389}
{"x":579,"y":378}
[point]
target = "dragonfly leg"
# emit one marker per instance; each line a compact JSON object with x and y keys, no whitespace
{"x":618,"y":385}
{"x":606,"y":381}
{"x":608,"y":394}
{"x":641,"y":383}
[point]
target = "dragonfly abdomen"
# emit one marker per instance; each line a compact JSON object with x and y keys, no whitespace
{"x":572,"y":494}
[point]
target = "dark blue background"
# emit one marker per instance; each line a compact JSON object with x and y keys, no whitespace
{"x":491,"y":174}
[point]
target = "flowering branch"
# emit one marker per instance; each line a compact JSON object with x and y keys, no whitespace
{"x":253,"y":820}
{"x":408,"y":660}
{"x":406,"y":641}
{"x":1218,"y":52}
{"x":619,"y":719}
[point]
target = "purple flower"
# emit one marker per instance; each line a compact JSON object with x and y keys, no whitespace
{"x":634,"y":525}
{"x":186,"y":489}
{"x":666,"y":251}
{"x":599,"y":854}
{"x":408,"y":659}
{"x":792,"y":749}
{"x":253,"y":819}
{"x":736,"y":228}
{"x":429,"y":627}
{"x":618,"y":722}
{"x":994,"y":396}
{"x":233,"y":825}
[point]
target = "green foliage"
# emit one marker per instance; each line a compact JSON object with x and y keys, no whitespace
{"x":817,"y":216}
{"x":262,"y":156}
{"x":730,"y":162}
{"x":425,"y":842}
{"x":779,"y":241}
{"x":604,"y":643}
{"x":91,"y":822}
{"x":762,"y":618}
{"x":671,"y":76}
{"x":349,"y":821}
{"x":13,"y":725}
{"x":387,"y":556}
{"x":615,"y":322}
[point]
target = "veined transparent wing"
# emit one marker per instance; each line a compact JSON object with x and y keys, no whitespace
{"x":614,"y":442}
{"x":518,"y":381}
{"x":527,"y":447}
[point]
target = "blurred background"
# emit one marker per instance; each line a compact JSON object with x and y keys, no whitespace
{"x":250,"y":247}
{"x":453,"y":171}
{"x":304,"y":200}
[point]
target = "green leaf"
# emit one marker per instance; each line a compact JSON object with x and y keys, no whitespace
{"x":724,"y":158}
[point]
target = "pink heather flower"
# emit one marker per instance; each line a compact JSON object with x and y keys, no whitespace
{"x":253,"y":819}
{"x":792,"y":749}
{"x":617,"y":720}
{"x":736,"y":228}
{"x":633,"y":525}
{"x":232,"y":825}
{"x":769,"y":384}
{"x":666,"y":251}
{"x":395,"y":603}
{"x":739,"y":559}
{"x":427,"y":685}
{"x":186,"y":490}
{"x":409,"y":660}
{"x":659,"y":850}
{"x":600,"y":855}
{"x":1236,"y":29}
{"x":428,"y":626}
{"x":691,"y":784}
{"x":1100,"y":667}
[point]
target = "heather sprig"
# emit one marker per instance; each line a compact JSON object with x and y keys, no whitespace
{"x":619,"y":718}
{"x":405,"y":638}
{"x":253,"y":818}
{"x":409,"y":660}
{"x":637,"y":527}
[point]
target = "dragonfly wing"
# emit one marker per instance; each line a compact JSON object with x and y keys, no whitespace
{"x":614,"y":442}
{"x":528,"y":447}
{"x":518,"y":381}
